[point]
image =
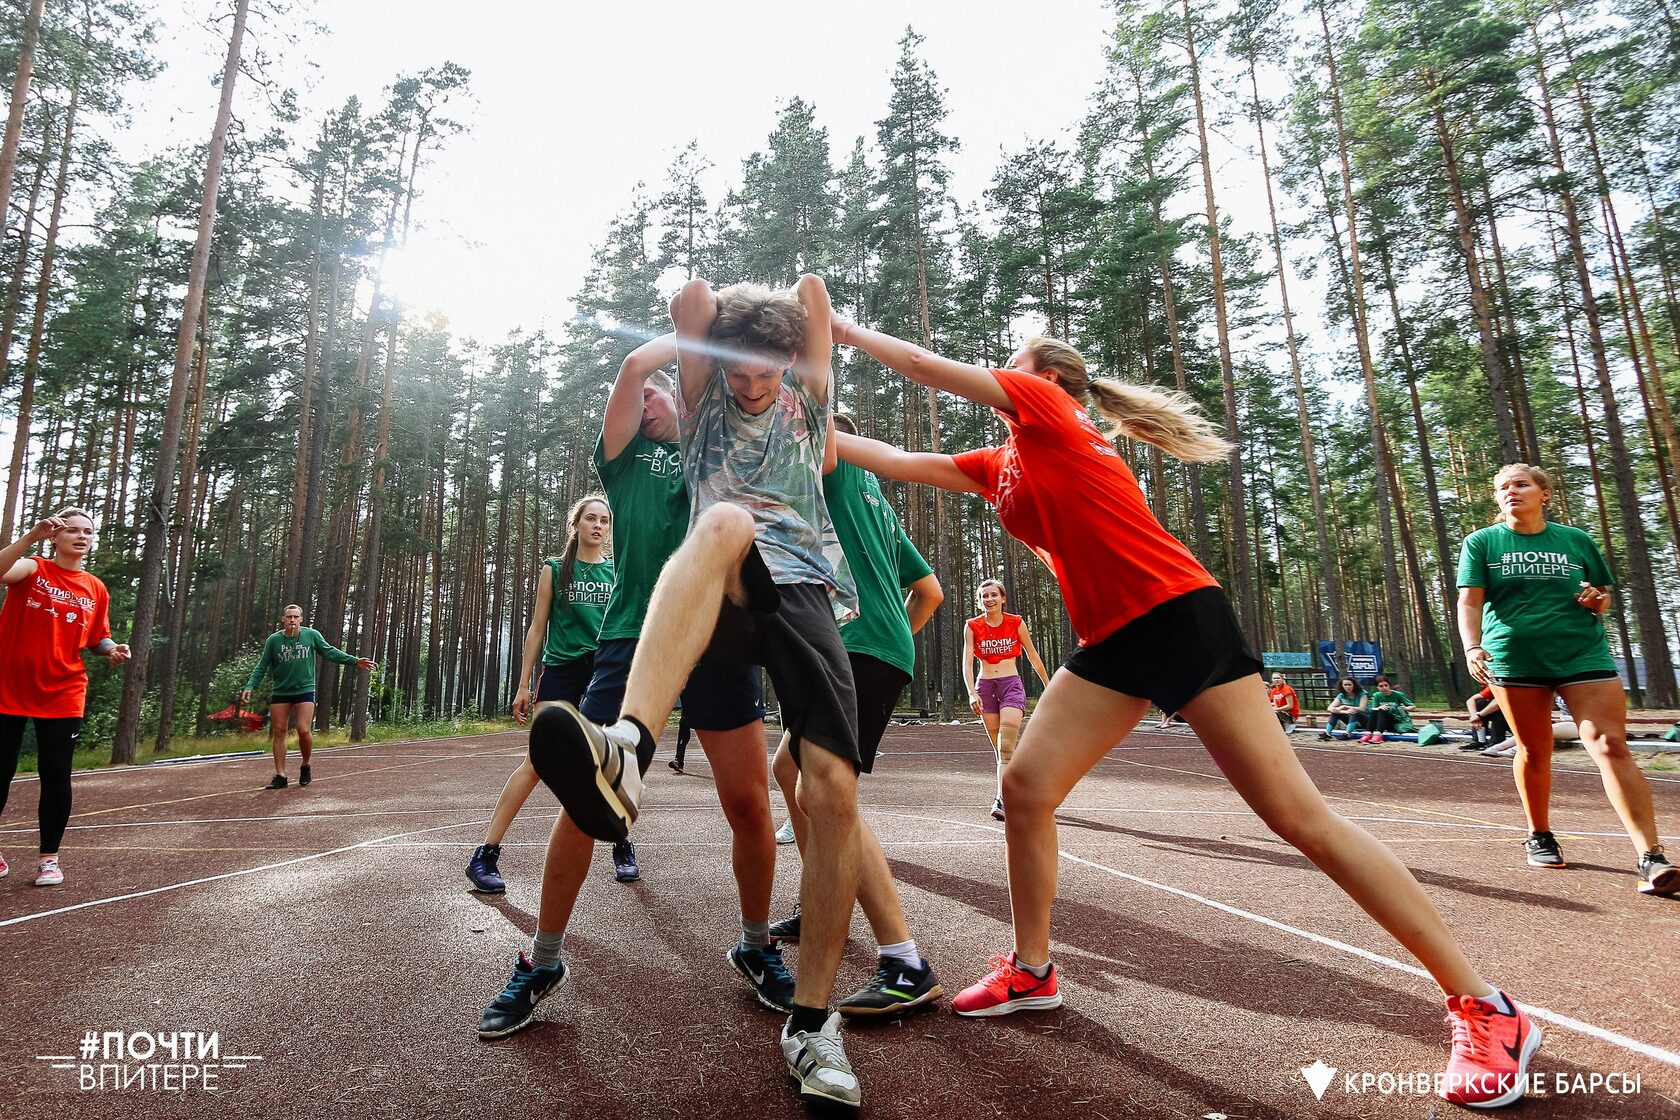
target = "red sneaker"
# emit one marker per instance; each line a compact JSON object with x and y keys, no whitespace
{"x":1490,"y":1052}
{"x":1008,"y":987}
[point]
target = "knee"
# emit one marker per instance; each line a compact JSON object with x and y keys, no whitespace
{"x":747,"y":811}
{"x":1309,"y":829}
{"x":1025,"y":796}
{"x":827,"y":789}
{"x":785,"y":769}
{"x":1608,"y":748}
{"x":724,"y":528}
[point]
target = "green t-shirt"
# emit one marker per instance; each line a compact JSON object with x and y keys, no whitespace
{"x":291,"y":661}
{"x":1531,"y":624}
{"x":644,"y":487}
{"x":1353,"y":701}
{"x":575,"y":612}
{"x":1396,"y":701}
{"x":883,"y":561}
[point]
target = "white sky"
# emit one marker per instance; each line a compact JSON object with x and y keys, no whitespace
{"x":575,"y":104}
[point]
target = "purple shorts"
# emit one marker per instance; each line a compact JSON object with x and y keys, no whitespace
{"x":997,"y":693}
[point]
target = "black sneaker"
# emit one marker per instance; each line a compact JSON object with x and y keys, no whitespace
{"x":303,"y":775}
{"x":764,"y":970}
{"x":482,"y":871}
{"x":518,"y":1001}
{"x":1656,"y":874}
{"x":787,"y":929}
{"x":276,"y":782}
{"x":897,"y":989}
{"x":624,"y":862}
{"x":594,"y":771}
{"x":1543,"y":850}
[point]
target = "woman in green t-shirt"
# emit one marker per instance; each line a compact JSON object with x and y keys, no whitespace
{"x":1388,"y":709}
{"x":1348,"y":706}
{"x":572,"y":595}
{"x":1531,"y":602}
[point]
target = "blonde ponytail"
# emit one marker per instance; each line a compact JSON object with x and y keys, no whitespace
{"x":1167,"y":419}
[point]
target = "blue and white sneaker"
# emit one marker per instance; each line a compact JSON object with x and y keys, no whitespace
{"x":518,"y":1001}
{"x":765,"y":971}
{"x":482,"y":871}
{"x":624,"y":862}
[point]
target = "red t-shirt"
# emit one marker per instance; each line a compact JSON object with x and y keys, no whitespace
{"x":1284,"y":692}
{"x":1064,"y":491}
{"x":994,"y":644}
{"x":47,"y":621}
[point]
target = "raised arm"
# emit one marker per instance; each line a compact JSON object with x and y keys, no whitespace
{"x":693,"y":310}
{"x":814,"y":365}
{"x":624,"y":405}
{"x":533,"y":643}
{"x":887,"y":461}
{"x":924,"y":366}
{"x":15,"y":562}
{"x":1032,"y":655}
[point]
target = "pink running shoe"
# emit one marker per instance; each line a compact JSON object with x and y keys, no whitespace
{"x":4,"y":870}
{"x":1490,"y":1052}
{"x":1008,"y":987}
{"x":48,"y":873}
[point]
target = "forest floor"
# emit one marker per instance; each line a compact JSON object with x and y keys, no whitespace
{"x":327,"y":936}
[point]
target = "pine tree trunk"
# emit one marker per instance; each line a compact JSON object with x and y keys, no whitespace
{"x":19,"y":103}
{"x":26,"y":238}
{"x":1242,"y":575}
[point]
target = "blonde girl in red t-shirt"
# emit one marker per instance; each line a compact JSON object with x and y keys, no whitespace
{"x":996,"y":640}
{"x":1153,"y":626}
{"x":54,"y":610}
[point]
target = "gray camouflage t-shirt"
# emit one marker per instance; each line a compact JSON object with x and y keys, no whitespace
{"x":770,"y":465}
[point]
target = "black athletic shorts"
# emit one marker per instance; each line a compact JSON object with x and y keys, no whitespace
{"x":565,"y":681}
{"x":790,"y":630}
{"x":717,"y":697}
{"x":293,"y":698}
{"x":1591,"y":676}
{"x":879,"y":685}
{"x":1173,"y":653}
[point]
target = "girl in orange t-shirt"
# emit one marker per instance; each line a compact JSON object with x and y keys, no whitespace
{"x":1153,"y":625}
{"x":54,"y":610}
{"x":997,"y":640}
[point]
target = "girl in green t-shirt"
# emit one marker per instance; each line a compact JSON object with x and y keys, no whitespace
{"x":572,"y":595}
{"x":1531,"y":601}
{"x":1348,"y":706}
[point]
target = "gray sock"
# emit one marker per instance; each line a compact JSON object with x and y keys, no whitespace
{"x":755,"y":935}
{"x":545,"y":949}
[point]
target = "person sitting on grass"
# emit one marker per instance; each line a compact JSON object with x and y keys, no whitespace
{"x":289,"y":654}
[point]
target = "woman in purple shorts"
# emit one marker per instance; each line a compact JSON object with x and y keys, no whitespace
{"x":999,"y":697}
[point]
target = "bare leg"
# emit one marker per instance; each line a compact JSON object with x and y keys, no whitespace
{"x":877,"y":893}
{"x":515,"y":792}
{"x":519,"y":785}
{"x":683,"y":611}
{"x":829,"y":883}
{"x":737,"y":759}
{"x":303,"y":713}
{"x":1008,"y":734}
{"x":565,"y":866}
{"x":1255,"y":756}
{"x":1601,"y":710}
{"x":1529,"y":712}
{"x":279,"y":715}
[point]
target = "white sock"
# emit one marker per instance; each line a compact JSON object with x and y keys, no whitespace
{"x":902,"y":951}
{"x":1038,"y":970}
{"x":1497,"y":998}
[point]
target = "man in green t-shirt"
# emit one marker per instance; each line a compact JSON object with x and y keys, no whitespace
{"x":897,"y":594}
{"x":289,"y":656}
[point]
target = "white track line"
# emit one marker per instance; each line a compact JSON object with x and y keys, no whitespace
{"x":1646,"y":1049}
{"x":230,"y":874}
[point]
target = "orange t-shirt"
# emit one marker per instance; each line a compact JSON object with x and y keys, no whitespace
{"x":995,"y":644}
{"x":1064,"y":491}
{"x":1283,"y":692}
{"x":48,"y":620}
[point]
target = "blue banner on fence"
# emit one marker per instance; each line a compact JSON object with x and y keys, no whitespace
{"x":1360,"y":660}
{"x":1274,"y":659}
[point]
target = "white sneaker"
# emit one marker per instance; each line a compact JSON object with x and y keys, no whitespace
{"x":784,"y":834}
{"x":1505,"y":748}
{"x":595,"y":771}
{"x":817,"y":1060}
{"x":48,"y":873}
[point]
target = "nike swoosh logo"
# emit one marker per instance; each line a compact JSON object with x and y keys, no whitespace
{"x":1017,"y":993}
{"x":1514,"y":1049}
{"x":757,"y":977}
